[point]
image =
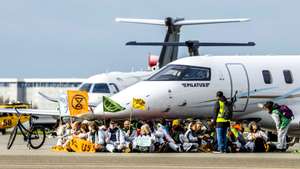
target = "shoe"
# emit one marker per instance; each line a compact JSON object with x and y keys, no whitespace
{"x":217,"y":152}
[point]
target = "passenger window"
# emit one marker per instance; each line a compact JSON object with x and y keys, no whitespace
{"x":101,"y":88}
{"x":85,"y":87}
{"x":267,"y":76}
{"x":288,"y":76}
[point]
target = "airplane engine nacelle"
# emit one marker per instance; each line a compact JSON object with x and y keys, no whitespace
{"x":153,"y":62}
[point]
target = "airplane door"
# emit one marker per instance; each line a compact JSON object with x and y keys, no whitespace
{"x":239,"y":83}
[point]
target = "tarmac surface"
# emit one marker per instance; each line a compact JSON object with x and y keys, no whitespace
{"x":22,"y":157}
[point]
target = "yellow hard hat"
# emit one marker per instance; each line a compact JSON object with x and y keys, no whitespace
{"x":176,"y":122}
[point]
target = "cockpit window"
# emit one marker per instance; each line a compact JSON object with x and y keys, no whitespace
{"x":182,"y":73}
{"x":101,"y":88}
{"x":85,"y":87}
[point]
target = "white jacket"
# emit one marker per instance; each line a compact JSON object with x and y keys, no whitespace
{"x":120,"y":138}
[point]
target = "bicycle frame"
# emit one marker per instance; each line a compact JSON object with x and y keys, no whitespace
{"x":22,"y":128}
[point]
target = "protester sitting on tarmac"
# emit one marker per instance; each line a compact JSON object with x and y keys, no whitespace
{"x":204,"y":138}
{"x":245,"y":128}
{"x":282,"y":124}
{"x":63,"y":133}
{"x":192,"y":139}
{"x":256,"y":138}
{"x":115,"y":140}
{"x":177,"y":133}
{"x":144,"y":142}
{"x":236,"y":140}
{"x":96,"y":136}
{"x":84,"y":131}
{"x":129,"y":132}
{"x":164,"y":140}
{"x":211,"y":130}
{"x":93,"y":132}
{"x":100,"y":144}
{"x":75,"y":128}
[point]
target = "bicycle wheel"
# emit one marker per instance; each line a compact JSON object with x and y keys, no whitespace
{"x":12,"y":137}
{"x":36,"y":137}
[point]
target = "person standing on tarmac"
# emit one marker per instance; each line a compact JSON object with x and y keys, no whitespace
{"x":221,"y":119}
{"x":282,"y":124}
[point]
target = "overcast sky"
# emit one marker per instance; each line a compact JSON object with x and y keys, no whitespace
{"x":79,"y":38}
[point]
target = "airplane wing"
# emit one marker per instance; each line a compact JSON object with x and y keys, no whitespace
{"x":31,"y":111}
{"x":210,"y":21}
{"x":142,"y":21}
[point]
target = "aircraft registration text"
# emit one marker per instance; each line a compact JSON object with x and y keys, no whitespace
{"x":195,"y":84}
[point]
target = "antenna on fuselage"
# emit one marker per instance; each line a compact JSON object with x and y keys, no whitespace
{"x":193,"y":45}
{"x":169,"y":53}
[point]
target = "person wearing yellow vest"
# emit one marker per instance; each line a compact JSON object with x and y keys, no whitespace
{"x":222,"y":121}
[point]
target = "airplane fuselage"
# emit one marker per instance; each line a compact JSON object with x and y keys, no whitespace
{"x":187,"y":88}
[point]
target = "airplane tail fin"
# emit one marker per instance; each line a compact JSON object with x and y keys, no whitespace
{"x":52,"y":99}
{"x":62,"y":102}
{"x":168,"y":52}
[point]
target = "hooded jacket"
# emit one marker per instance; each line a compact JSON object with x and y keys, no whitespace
{"x":280,"y":120}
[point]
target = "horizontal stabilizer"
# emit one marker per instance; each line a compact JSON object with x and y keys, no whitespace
{"x":142,"y":21}
{"x":210,"y":21}
{"x":180,"y":22}
{"x":188,"y":43}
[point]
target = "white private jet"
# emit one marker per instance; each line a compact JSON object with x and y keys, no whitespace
{"x":187,"y":88}
{"x":113,"y":82}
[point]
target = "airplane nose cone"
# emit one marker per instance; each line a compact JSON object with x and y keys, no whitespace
{"x":153,"y":94}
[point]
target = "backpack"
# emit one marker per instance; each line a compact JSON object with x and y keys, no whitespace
{"x":228,"y":110}
{"x":286,"y":111}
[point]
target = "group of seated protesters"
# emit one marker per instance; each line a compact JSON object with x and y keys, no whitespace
{"x":163,"y":136}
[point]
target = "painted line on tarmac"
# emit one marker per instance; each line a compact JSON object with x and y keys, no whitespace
{"x":122,"y":166}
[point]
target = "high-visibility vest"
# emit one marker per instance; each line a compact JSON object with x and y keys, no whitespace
{"x":220,"y":117}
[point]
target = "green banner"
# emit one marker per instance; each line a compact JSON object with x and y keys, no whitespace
{"x":110,"y":105}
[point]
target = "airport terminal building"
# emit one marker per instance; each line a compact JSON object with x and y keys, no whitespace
{"x":27,"y":90}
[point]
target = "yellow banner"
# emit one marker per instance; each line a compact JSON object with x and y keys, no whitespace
{"x":80,"y":145}
{"x":76,"y":145}
{"x":77,"y":102}
{"x":138,"y":103}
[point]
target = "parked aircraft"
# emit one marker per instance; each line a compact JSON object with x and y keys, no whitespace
{"x":169,"y":53}
{"x":107,"y":84}
{"x":187,"y":88}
